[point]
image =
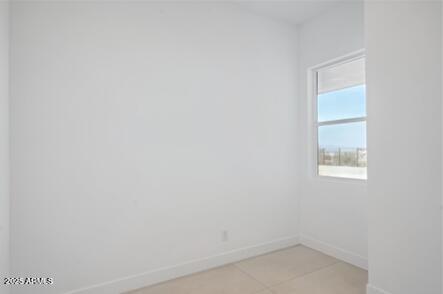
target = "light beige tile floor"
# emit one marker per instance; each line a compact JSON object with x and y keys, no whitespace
{"x":340,"y":278}
{"x":275,"y":268}
{"x":296,"y":270}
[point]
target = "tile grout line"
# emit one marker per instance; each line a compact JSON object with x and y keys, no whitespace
{"x":269,"y":288}
{"x":252,"y":277}
{"x":306,"y":274}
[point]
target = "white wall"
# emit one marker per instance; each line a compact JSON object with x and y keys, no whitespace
{"x":404,"y":145}
{"x":140,"y":131}
{"x":333,"y":212}
{"x":4,"y":142}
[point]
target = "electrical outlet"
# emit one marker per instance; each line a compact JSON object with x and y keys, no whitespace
{"x":225,"y":236}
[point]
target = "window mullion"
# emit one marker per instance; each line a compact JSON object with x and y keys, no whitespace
{"x":341,"y":121}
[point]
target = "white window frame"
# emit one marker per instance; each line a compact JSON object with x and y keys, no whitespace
{"x":313,"y":116}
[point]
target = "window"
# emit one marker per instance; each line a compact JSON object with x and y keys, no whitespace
{"x":341,"y":119}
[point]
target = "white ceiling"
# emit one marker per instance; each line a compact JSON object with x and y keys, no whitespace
{"x":294,"y":12}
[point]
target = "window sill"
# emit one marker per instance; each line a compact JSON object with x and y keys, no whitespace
{"x":339,"y":180}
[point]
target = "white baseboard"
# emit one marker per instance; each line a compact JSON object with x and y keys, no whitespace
{"x":334,"y":251}
{"x":171,"y":272}
{"x":374,"y":290}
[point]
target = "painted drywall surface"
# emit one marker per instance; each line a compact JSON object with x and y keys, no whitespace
{"x":403,"y":42}
{"x":4,"y":143}
{"x":140,"y":131}
{"x":333,"y":212}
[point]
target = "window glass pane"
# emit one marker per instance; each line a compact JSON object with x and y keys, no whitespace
{"x":342,"y":104}
{"x":342,"y":150}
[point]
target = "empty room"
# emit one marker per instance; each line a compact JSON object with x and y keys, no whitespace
{"x":221,"y":147}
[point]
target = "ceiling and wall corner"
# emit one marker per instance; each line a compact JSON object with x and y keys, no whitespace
{"x":292,"y":12}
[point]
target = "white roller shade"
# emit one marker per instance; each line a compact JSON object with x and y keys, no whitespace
{"x":341,"y":76}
